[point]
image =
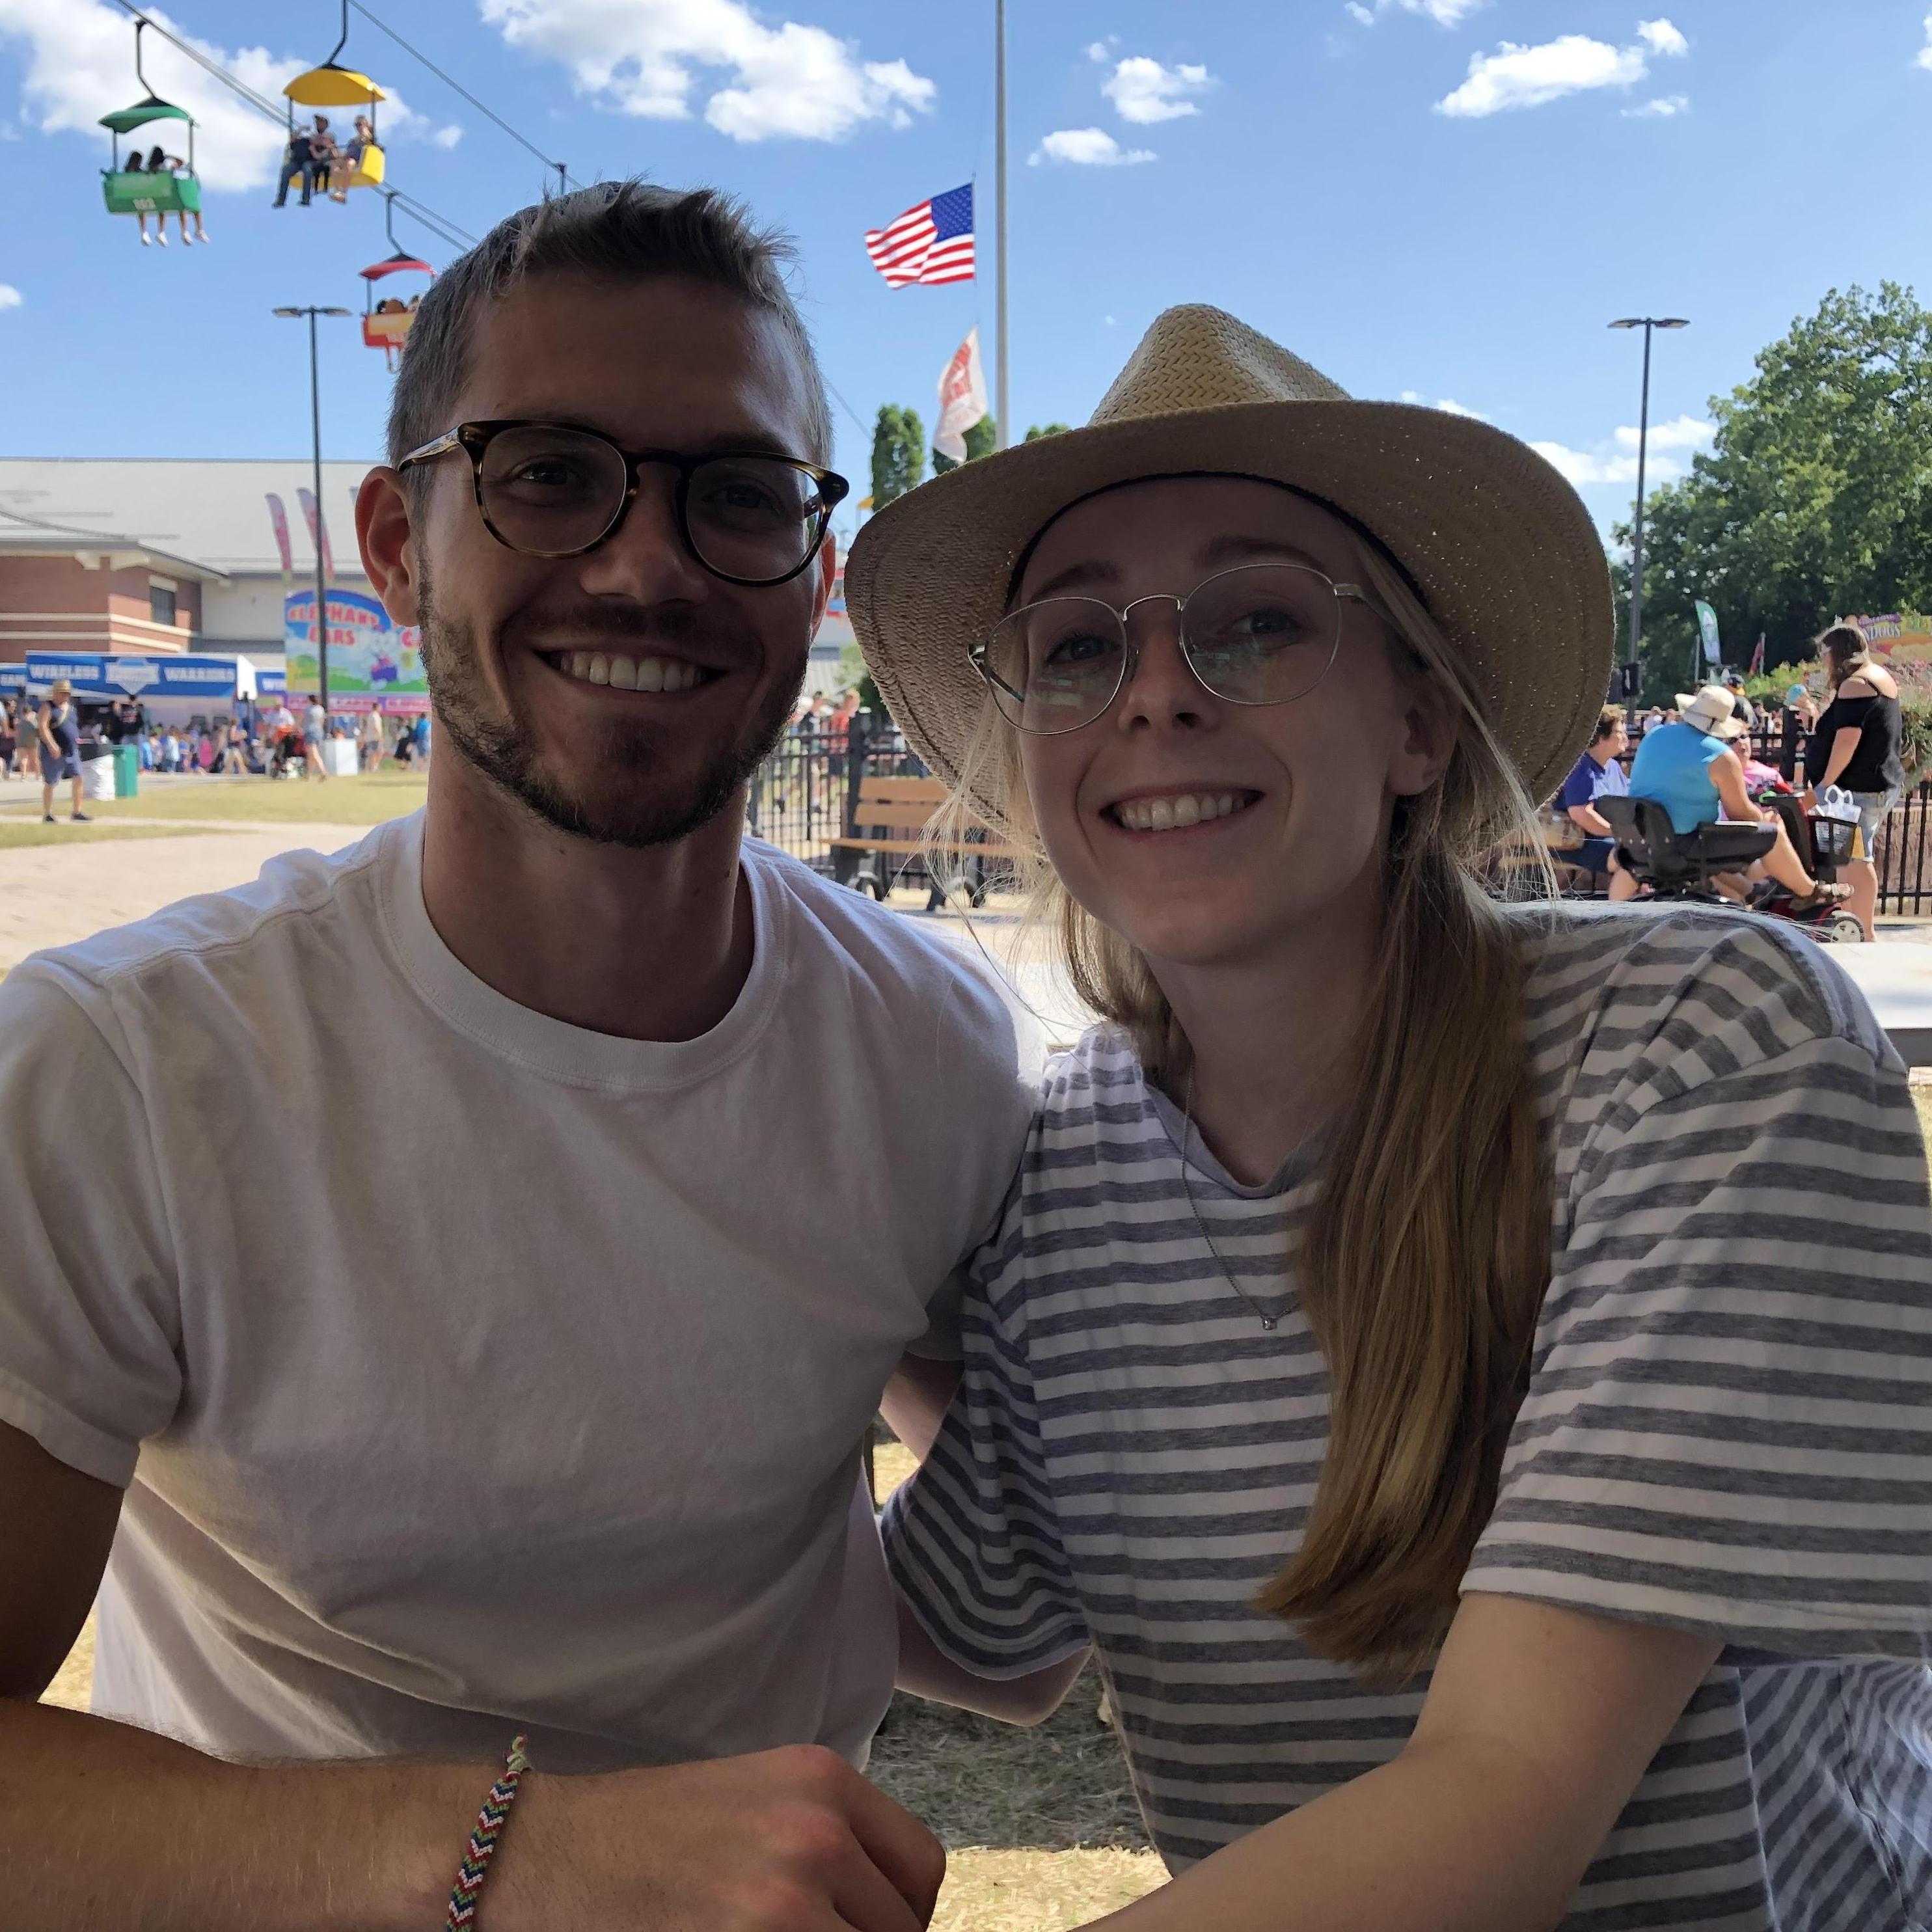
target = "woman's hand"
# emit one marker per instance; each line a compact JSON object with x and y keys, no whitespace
{"x":1538,"y":1724}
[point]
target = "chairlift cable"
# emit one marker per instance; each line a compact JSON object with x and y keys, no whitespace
{"x":864,"y":428}
{"x":440,"y":226}
{"x":456,"y":86}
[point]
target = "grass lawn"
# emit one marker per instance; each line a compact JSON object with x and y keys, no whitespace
{"x":15,"y":833}
{"x":357,"y":801}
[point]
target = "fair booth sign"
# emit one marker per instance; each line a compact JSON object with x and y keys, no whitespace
{"x":373,"y":664}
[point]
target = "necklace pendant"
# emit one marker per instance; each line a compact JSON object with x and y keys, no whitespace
{"x":1268,"y":1322}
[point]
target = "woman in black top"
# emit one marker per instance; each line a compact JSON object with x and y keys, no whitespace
{"x":1854,"y":744}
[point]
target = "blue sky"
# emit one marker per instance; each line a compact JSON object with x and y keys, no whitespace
{"x":1443,"y":199}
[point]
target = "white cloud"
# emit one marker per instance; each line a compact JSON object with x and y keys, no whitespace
{"x":1142,"y":90}
{"x":79,"y":59}
{"x":1686,"y":432}
{"x":1663,"y":108}
{"x":1924,"y":59}
{"x":1520,"y":77}
{"x":446,"y":137}
{"x":1663,"y":39}
{"x":1614,"y":461}
{"x":1087,"y":147}
{"x":11,"y":297}
{"x":650,"y":57}
{"x":1444,"y":12}
{"x":1581,"y":466}
{"x":1447,"y":404}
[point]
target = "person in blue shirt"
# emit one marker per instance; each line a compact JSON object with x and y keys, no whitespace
{"x":1689,"y":768}
{"x":1599,"y":773}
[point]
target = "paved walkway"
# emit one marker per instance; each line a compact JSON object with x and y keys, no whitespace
{"x":51,"y":894}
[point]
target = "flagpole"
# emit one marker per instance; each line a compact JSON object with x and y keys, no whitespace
{"x":1001,"y":429}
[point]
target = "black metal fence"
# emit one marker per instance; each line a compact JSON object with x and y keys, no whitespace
{"x":803,"y":796}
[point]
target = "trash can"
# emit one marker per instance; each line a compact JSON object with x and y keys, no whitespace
{"x":97,"y":776}
{"x":126,"y":770}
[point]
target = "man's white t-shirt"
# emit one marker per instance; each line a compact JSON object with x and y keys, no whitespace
{"x":469,"y":1371}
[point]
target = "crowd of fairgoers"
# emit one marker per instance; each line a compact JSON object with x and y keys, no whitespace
{"x":268,"y":739}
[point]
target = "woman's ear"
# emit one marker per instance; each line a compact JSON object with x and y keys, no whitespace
{"x":1430,"y":718}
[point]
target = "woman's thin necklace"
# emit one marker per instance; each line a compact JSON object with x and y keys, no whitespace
{"x":1269,"y":1322}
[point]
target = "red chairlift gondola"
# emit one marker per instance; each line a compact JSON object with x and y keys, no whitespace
{"x":386,"y":323}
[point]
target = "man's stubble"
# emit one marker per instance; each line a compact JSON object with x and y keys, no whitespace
{"x":619,"y":804}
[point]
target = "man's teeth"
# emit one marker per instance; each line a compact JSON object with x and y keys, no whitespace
{"x":628,"y":673}
{"x":1183,"y":808}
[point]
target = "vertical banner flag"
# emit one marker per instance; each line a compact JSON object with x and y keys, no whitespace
{"x":931,"y":243}
{"x":962,"y":398}
{"x":279,"y":517}
{"x":318,"y":529}
{"x":1757,"y":657}
{"x":1707,"y":629}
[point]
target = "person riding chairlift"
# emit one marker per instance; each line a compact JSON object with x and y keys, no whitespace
{"x":161,"y":163}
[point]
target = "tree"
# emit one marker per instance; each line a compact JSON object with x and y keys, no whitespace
{"x":979,"y":443}
{"x":1815,"y":500}
{"x":1039,"y":429}
{"x":899,"y":453}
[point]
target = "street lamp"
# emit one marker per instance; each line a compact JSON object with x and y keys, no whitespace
{"x":321,"y":573}
{"x":1646,"y":323}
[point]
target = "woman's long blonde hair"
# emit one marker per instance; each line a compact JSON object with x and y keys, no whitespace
{"x":1427,"y":1253}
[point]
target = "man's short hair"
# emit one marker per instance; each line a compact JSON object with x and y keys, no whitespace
{"x":613,"y":231}
{"x":1608,"y":719}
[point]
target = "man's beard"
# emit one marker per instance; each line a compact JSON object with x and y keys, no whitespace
{"x":619,"y":804}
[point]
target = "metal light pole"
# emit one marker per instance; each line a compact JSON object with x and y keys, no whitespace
{"x":1002,"y":429}
{"x":312,"y":310}
{"x":1647,"y":323}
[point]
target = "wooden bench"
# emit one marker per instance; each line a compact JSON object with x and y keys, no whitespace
{"x":889,"y":821}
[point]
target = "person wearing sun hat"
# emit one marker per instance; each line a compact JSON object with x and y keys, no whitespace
{"x":1688,"y":766}
{"x":1365,"y":1365}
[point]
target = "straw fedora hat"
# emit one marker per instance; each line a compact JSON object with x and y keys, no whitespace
{"x":1504,"y":554}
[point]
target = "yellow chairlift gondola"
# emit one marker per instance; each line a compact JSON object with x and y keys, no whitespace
{"x":386,"y":323}
{"x":166,"y":184}
{"x":339,"y":165}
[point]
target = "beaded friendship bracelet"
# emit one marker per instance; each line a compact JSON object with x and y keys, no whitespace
{"x":483,"y":1840}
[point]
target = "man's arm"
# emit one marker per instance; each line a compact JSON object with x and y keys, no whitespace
{"x":101,"y":1822}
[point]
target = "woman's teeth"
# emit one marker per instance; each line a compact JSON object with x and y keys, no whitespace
{"x":1183,"y":808}
{"x":627,"y":673}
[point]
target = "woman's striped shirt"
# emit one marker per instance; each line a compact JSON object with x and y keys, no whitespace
{"x":1728,"y":1429}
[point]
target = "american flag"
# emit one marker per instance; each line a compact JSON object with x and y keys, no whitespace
{"x":931,"y":243}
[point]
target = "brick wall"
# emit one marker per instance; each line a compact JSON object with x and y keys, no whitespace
{"x":58,"y":603}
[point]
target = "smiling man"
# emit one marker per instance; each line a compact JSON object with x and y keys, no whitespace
{"x":447,"y":1284}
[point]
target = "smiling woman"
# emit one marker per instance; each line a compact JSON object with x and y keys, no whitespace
{"x":1367,"y":1366}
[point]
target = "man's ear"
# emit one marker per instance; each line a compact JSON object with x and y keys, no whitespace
{"x":388,"y":541}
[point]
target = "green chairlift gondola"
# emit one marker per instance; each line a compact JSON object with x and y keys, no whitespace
{"x":135,"y":190}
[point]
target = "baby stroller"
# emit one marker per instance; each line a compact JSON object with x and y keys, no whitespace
{"x":1686,"y":864}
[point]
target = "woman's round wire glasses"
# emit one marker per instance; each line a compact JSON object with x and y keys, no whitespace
{"x":1260,"y":634}
{"x":549,"y":490}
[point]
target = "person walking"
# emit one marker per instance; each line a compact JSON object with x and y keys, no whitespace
{"x":372,"y":740}
{"x":1856,"y":744}
{"x":58,"y":725}
{"x":449,"y":1281}
{"x":10,"y":736}
{"x":314,"y":731}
